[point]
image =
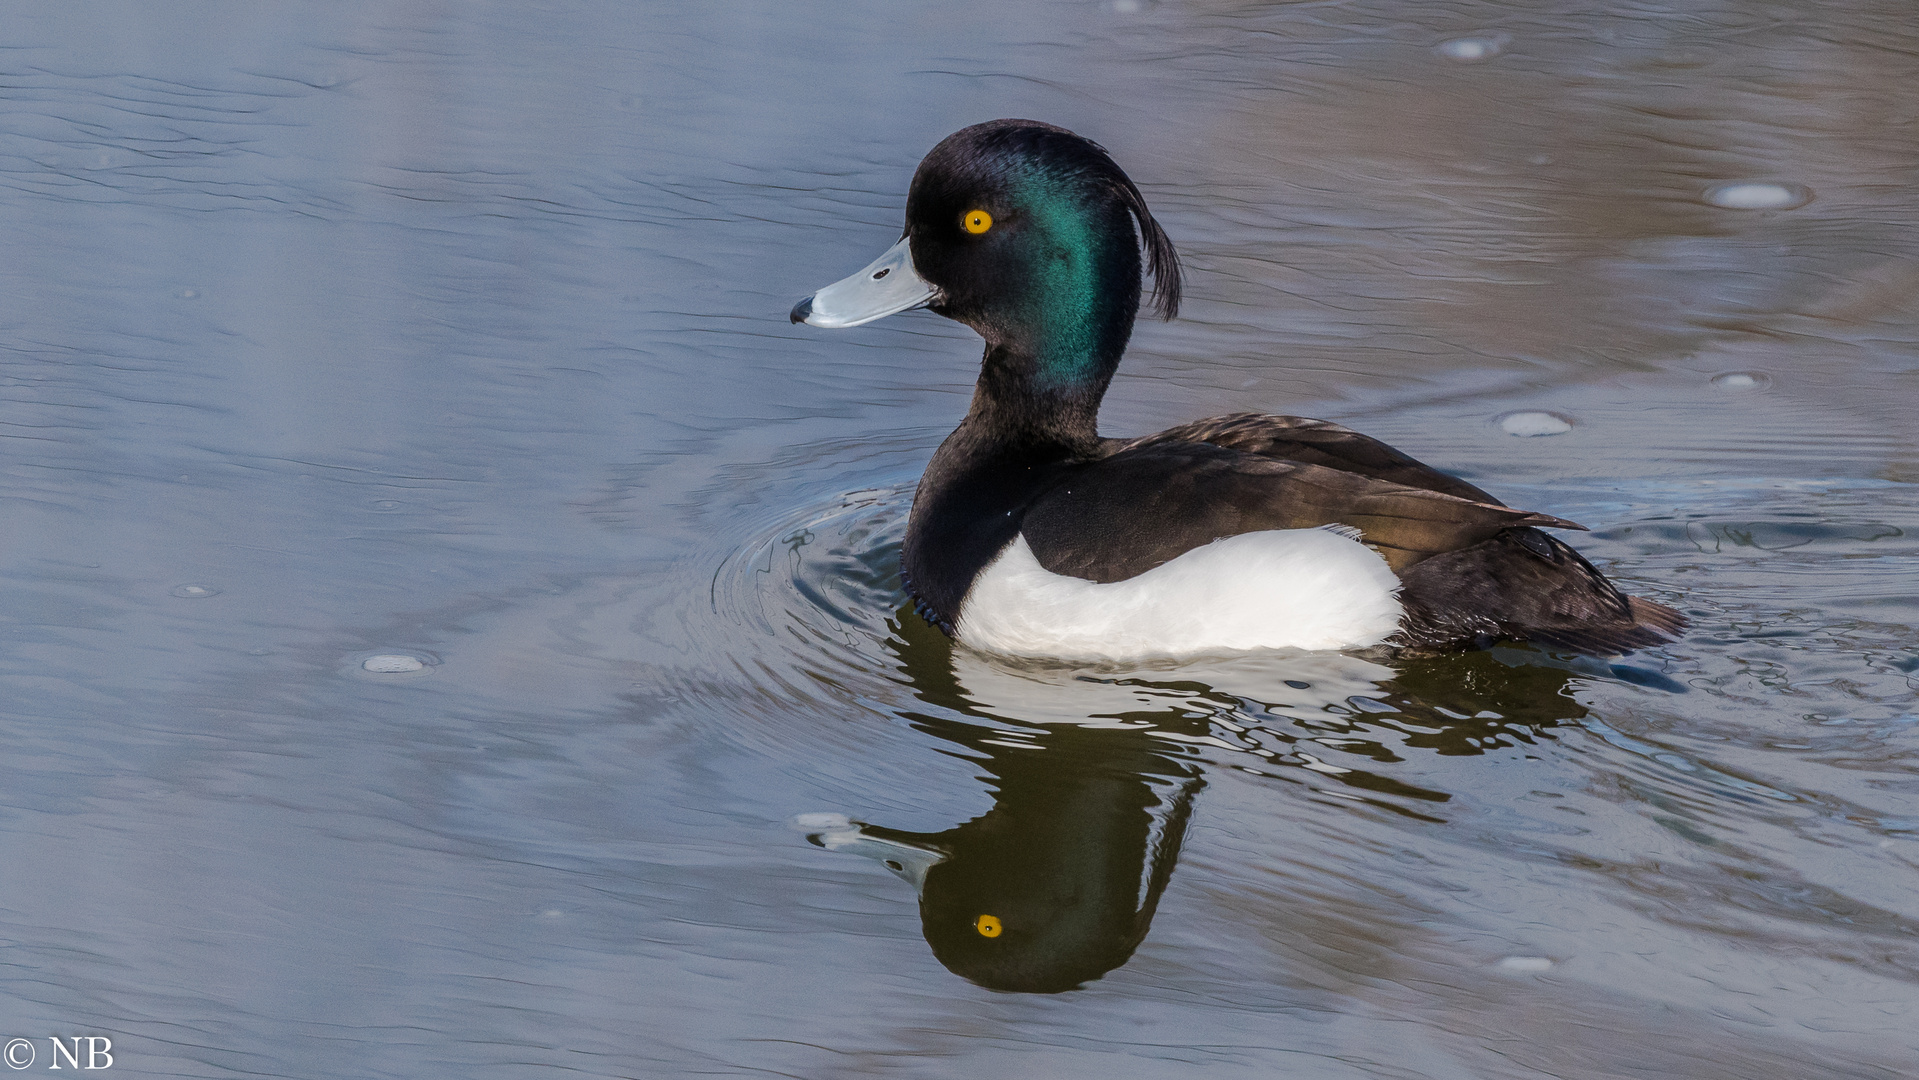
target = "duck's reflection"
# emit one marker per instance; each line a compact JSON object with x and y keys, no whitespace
{"x":1057,"y":883}
{"x":1094,"y":776}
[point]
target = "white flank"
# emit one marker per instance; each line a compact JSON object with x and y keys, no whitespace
{"x":1285,"y":589}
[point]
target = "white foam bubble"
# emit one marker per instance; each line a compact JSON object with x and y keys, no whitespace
{"x":1528,"y":425}
{"x":1525,"y":965}
{"x":195,"y":592}
{"x":1471,"y":50}
{"x":1742,"y":380}
{"x":1754,"y":196}
{"x":392,"y":663}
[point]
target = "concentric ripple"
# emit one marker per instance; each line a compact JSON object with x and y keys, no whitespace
{"x":821,"y":581}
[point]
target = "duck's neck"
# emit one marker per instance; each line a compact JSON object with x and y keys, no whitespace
{"x":1041,"y":385}
{"x":1035,"y":401}
{"x":1051,"y":353}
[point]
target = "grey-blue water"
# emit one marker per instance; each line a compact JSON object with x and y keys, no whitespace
{"x":456,"y":332}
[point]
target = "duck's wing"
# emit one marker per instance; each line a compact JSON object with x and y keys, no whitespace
{"x":1470,"y":570}
{"x":1116,"y":517}
{"x":1311,"y":442}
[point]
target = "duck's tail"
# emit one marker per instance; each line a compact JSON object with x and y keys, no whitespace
{"x":1526,"y":585}
{"x":1648,"y":623}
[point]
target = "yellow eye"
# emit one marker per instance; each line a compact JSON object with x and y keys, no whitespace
{"x":986,"y":924}
{"x":977,"y":222}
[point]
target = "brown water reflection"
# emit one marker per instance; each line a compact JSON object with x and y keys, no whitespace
{"x":1369,"y":201}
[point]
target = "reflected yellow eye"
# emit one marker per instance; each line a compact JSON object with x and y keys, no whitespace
{"x":986,"y":924}
{"x":977,"y":222}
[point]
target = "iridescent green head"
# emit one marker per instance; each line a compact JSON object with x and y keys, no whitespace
{"x":1030,"y":235}
{"x":1027,"y":232}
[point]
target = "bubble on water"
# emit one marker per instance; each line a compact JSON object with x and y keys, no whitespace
{"x":188,"y":294}
{"x":195,"y":592}
{"x":1525,"y":965}
{"x":387,"y":504}
{"x":1742,"y":380}
{"x":392,"y":663}
{"x":1472,"y":50}
{"x":1755,"y":196}
{"x":1528,"y":425}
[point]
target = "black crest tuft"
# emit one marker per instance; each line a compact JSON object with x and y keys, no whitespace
{"x":1161,"y":259}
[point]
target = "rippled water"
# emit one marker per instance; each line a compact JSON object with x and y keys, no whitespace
{"x":443,"y":596}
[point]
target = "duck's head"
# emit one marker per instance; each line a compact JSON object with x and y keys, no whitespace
{"x":1026,"y":233}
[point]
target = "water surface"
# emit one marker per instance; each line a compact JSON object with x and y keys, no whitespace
{"x":458,"y":333}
